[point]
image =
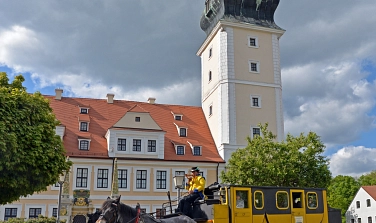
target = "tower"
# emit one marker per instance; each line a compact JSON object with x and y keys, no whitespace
{"x":240,"y":71}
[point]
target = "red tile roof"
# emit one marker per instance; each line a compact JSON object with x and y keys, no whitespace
{"x":371,"y":190}
{"x":103,"y":116}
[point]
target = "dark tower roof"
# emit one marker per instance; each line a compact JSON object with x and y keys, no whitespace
{"x":257,"y":12}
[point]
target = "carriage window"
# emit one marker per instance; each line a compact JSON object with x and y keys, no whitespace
{"x":242,"y":199}
{"x":297,"y":200}
{"x":282,"y":199}
{"x":259,"y":200}
{"x":311,"y":200}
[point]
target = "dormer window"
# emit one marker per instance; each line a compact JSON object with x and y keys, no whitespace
{"x":137,"y":119}
{"x":84,"y":110}
{"x":178,"y":117}
{"x":182,"y":132}
{"x":197,"y":150}
{"x":84,"y":126}
{"x":180,"y":150}
{"x":84,"y":144}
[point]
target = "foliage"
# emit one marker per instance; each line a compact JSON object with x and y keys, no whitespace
{"x":368,"y":179}
{"x":341,"y":192}
{"x":40,"y":219}
{"x":295,"y":162}
{"x":31,"y":154}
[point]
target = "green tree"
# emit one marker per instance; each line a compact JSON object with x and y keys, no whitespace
{"x":341,"y":192}
{"x":31,"y":154}
{"x":295,"y":162}
{"x":368,"y":179}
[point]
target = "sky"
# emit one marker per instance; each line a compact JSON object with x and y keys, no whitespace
{"x":138,"y":49}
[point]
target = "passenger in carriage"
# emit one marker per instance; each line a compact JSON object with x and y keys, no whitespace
{"x":195,"y":187}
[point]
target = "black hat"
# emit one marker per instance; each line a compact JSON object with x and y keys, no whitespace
{"x":195,"y":169}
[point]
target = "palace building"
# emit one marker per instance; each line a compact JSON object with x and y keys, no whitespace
{"x":134,"y":149}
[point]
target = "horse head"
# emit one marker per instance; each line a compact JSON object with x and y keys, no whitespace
{"x":113,"y":211}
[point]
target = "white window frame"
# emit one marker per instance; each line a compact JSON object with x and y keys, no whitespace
{"x":89,"y":170}
{"x":259,"y":100}
{"x":257,"y":66}
{"x":147,"y":179}
{"x":88,"y":123}
{"x":79,"y":142}
{"x":176,"y":150}
{"x":249,"y":37}
{"x":2,"y":210}
{"x":193,"y":150}
{"x":254,"y":127}
{"x":109,"y":168}
{"x":168,"y":181}
{"x":129,"y":174}
{"x":87,"y":109}
{"x":181,"y":117}
{"x":28,"y":206}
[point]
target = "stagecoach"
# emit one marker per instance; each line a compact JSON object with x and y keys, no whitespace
{"x":248,"y":204}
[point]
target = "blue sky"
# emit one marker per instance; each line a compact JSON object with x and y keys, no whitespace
{"x":91,"y":47}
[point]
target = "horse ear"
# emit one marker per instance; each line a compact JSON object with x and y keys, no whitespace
{"x":118,"y":199}
{"x":108,"y":198}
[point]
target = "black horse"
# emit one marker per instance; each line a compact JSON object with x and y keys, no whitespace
{"x":113,"y":211}
{"x":93,"y":217}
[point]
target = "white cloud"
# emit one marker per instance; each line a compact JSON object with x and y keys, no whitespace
{"x":353,"y":161}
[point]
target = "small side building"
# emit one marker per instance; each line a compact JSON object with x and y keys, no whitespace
{"x":363,"y":207}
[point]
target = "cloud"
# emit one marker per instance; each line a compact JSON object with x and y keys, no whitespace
{"x":353,"y":161}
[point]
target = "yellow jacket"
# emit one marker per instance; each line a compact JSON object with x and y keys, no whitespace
{"x":197,"y":184}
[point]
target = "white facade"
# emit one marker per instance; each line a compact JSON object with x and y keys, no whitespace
{"x":362,"y":209}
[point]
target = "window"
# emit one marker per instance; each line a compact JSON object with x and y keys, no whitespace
{"x":210,"y":52}
{"x":358,"y":204}
{"x":311,"y":200}
{"x":255,"y":101}
{"x":241,"y":199}
{"x":84,"y":126}
{"x":81,"y":178}
{"x":122,"y":178}
{"x":84,"y":144}
{"x":359,"y":220}
{"x":137,"y":119}
{"x":160,"y":212}
{"x":259,"y":200}
{"x":161,"y":179}
{"x":182,"y":132}
{"x":141,"y":179}
{"x":282,"y":199}
{"x":197,"y":151}
{"x":210,"y":110}
{"x":253,"y":41}
{"x":178,"y":117}
{"x":10,"y":213}
{"x":152,"y":145}
{"x":369,"y":219}
{"x":368,"y":203}
{"x":256,"y":132}
{"x":254,"y":66}
{"x":210,"y":76}
{"x":35,"y":212}
{"x":54,"y":212}
{"x":180,"y":150}
{"x":122,"y":145}
{"x":352,"y":220}
{"x":102,"y":178}
{"x":297,"y":199}
{"x":84,"y":111}
{"x":137,"y":145}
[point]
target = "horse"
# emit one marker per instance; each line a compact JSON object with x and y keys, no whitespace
{"x":113,"y":211}
{"x":93,"y":217}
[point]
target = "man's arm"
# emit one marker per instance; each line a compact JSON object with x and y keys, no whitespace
{"x":201,"y":185}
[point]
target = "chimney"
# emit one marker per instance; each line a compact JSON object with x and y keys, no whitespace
{"x":151,"y":100}
{"x":110,"y":98}
{"x":58,"y":93}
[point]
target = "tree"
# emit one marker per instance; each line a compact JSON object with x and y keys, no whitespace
{"x":295,"y":162}
{"x":368,"y":179}
{"x":31,"y":154}
{"x":341,"y":192}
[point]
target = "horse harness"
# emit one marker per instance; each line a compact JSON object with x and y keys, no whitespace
{"x":135,"y":219}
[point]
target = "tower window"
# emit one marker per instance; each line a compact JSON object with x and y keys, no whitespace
{"x":255,"y":101}
{"x":210,"y":76}
{"x":253,"y":41}
{"x":210,"y":110}
{"x":254,"y":66}
{"x":137,"y":119}
{"x":256,"y":132}
{"x":210,"y":52}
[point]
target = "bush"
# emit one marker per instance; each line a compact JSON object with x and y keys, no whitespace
{"x":40,"y":219}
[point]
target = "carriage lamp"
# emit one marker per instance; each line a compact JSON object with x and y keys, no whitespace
{"x":62,"y":179}
{"x":179,"y":182}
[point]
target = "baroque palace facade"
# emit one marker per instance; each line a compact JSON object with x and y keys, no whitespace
{"x":134,"y":149}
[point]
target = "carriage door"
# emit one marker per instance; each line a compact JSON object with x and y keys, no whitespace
{"x":297,"y":206}
{"x":241,"y":205}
